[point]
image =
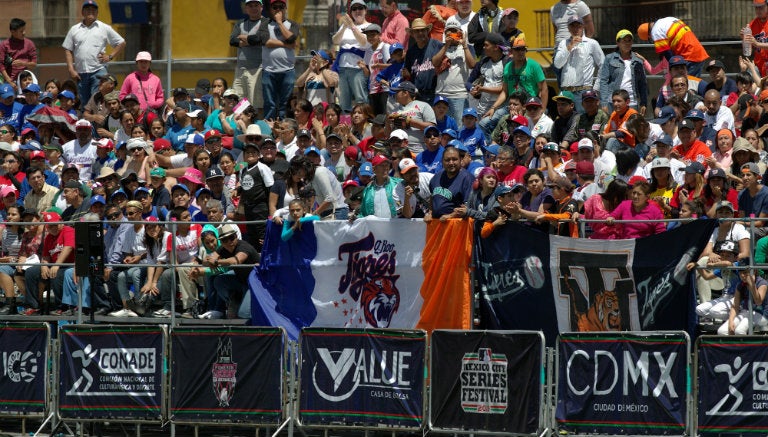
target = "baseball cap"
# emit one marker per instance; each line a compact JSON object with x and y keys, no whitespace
{"x":523,"y":130}
{"x":73,"y":184}
{"x":213,"y":172}
{"x":665,"y":114}
{"x":659,"y":162}
{"x":32,"y":88}
{"x":399,"y":134}
{"x":695,"y":167}
{"x":533,"y":101}
{"x":585,"y":143}
{"x":501,"y":190}
{"x":622,"y":33}
{"x":50,"y":217}
{"x":406,"y":86}
{"x":439,"y":99}
{"x":196,"y":139}
{"x":157,"y":172}
{"x":686,"y":124}
{"x":130,"y":97}
{"x":379,"y":159}
{"x":213,"y":133}
{"x":322,"y":53}
{"x":458,"y":145}
{"x":90,"y":3}
{"x":750,"y":167}
{"x":105,"y":143}
{"x":331,"y":135}
{"x":715,"y":63}
{"x":519,"y":120}
{"x":677,"y":60}
{"x":349,"y":183}
{"x":635,"y":179}
{"x":179,"y":187}
{"x":372,"y":28}
{"x":407,"y":164}
{"x":575,"y":19}
{"x":585,"y":167}
{"x":46,"y":96}
{"x":570,"y":165}
{"x":33,"y":145}
{"x":37,"y":154}
{"x":695,"y":114}
{"x":431,"y":127}
{"x":6,"y":91}
{"x":589,"y":94}
{"x":303,"y":133}
{"x":99,"y":199}
{"x":119,"y":192}
{"x":724,"y":204}
{"x":551,"y":147}
{"x":565,"y":96}
{"x":186,"y":106}
{"x":395,"y":47}
{"x":496,"y":39}
{"x":83,"y":124}
{"x":664,"y":139}
{"x":161,"y":144}
{"x":366,"y":169}
{"x":143,"y":56}
{"x":563,"y":183}
{"x":716,"y":172}
{"x":180,"y":92}
{"x":311,"y":149}
{"x":451,"y":133}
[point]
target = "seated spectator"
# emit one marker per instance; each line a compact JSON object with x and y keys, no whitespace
{"x":600,"y":206}
{"x":227,"y":294}
{"x":79,"y":205}
{"x":157,"y":241}
{"x":621,"y":113}
{"x":430,"y":159}
{"x":482,"y":199}
{"x":718,"y":190}
{"x":506,"y":210}
{"x":58,"y":248}
{"x":186,"y":240}
{"x":739,"y":319}
{"x":413,"y":190}
{"x":564,"y":209}
{"x":753,"y":199}
{"x":10,"y":247}
{"x":637,"y":210}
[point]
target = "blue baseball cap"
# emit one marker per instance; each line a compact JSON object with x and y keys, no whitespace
{"x":677,"y":60}
{"x":67,"y":94}
{"x":493,"y":149}
{"x":695,"y":114}
{"x":366,"y":169}
{"x":395,"y":47}
{"x":6,"y":91}
{"x":32,"y":88}
{"x":90,"y":3}
{"x":118,"y":192}
{"x":523,"y":130}
{"x":459,"y":145}
{"x":469,"y":111}
{"x":451,"y":133}
{"x":202,"y":191}
{"x":322,"y":53}
{"x":180,"y":187}
{"x":140,"y":190}
{"x":311,"y":149}
{"x":664,"y":139}
{"x":667,"y":113}
{"x":98,"y":199}
{"x":46,"y":96}
{"x":431,"y":127}
{"x":195,"y":139}
{"x":439,"y":99}
{"x":31,"y":145}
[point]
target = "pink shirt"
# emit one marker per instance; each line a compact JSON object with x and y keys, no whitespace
{"x":639,"y":229}
{"x":152,"y":93}
{"x":393,"y":29}
{"x":595,"y":210}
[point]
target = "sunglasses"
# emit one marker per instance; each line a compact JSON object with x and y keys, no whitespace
{"x":431,"y":135}
{"x":277,"y":7}
{"x":113,"y":216}
{"x":213,"y":140}
{"x":357,"y":8}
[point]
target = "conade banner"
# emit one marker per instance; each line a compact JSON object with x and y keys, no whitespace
{"x":111,"y":372}
{"x":628,"y":383}
{"x":227,"y":374}
{"x":24,"y":350}
{"x":355,"y":377}
{"x":733,"y":385}
{"x":486,"y":381}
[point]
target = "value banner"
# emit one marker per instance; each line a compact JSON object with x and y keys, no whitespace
{"x":354,"y":377}
{"x":230,"y":374}
{"x":111,"y":372}
{"x":530,"y":280}
{"x":623,"y":383}
{"x":489,"y":381}
{"x":732,"y":376}
{"x":24,"y":350}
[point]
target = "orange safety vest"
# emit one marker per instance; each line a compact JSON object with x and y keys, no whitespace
{"x":682,"y":41}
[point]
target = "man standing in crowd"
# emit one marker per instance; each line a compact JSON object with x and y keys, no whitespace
{"x":17,"y":53}
{"x":485,"y":22}
{"x":393,"y":29}
{"x":577,"y":57}
{"x":255,"y":180}
{"x":84,"y":50}
{"x":412,"y":115}
{"x":418,"y":60}
{"x":561,"y":12}
{"x":245,"y":37}
{"x":521,"y":74}
{"x":278,"y":60}
{"x":759,"y":36}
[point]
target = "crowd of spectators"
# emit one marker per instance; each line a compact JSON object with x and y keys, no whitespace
{"x":445,"y":116}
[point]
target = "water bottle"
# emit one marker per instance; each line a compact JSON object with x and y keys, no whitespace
{"x":746,"y":47}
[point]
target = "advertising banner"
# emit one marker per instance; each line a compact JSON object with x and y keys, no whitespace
{"x":623,"y":383}
{"x":486,"y":381}
{"x":111,"y":372}
{"x":24,"y":350}
{"x":530,"y":280}
{"x":354,"y":377}
{"x":229,"y":374}
{"x":733,"y":385}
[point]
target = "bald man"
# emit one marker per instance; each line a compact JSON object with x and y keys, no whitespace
{"x":718,"y":116}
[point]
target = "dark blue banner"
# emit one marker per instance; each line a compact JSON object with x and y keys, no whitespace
{"x":232,"y":374}
{"x":530,"y":280}
{"x":733,"y":385}
{"x":355,"y":377}
{"x":622,"y":383}
{"x":24,"y":350}
{"x":111,"y":372}
{"x":486,"y":381}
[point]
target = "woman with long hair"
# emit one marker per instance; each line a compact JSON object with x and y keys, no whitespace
{"x":361,"y":126}
{"x":482,"y":199}
{"x":283,"y":191}
{"x":332,"y":118}
{"x":156,"y":240}
{"x":227,"y":165}
{"x":600,"y":206}
{"x":663,"y":185}
{"x":201,"y":160}
{"x":718,"y":190}
{"x":692,"y":187}
{"x":10,"y":246}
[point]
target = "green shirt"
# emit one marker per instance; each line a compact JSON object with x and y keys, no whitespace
{"x":526,"y":78}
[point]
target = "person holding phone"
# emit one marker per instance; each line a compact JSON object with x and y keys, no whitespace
{"x":352,"y":42}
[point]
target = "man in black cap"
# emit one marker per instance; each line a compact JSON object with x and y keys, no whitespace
{"x":96,"y":110}
{"x":592,"y":118}
{"x":718,"y":80}
{"x":180,"y":130}
{"x":214,"y":180}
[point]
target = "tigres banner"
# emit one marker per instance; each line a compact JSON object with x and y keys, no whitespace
{"x":534,"y":281}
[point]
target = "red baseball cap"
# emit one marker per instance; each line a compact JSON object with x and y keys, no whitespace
{"x":161,"y":144}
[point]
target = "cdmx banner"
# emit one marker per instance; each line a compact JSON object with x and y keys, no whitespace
{"x":24,"y":355}
{"x":530,"y":280}
{"x":486,"y":381}
{"x":372,"y":273}
{"x":626,"y":383}
{"x":111,"y":372}
{"x":230,"y":374}
{"x":354,"y":377}
{"x":732,"y":385}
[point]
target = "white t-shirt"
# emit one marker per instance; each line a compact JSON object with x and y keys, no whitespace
{"x":737,"y":233}
{"x":82,"y":156}
{"x":187,"y":246}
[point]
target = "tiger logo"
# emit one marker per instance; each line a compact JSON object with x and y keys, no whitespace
{"x":380,"y":301}
{"x":603,"y":313}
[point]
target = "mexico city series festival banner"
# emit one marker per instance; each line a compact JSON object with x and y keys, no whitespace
{"x":227,"y":374}
{"x":355,"y":377}
{"x":372,"y":273}
{"x":111,"y":372}
{"x":486,"y":381}
{"x":623,"y":383}
{"x":24,"y":354}
{"x":530,"y":280}
{"x":733,"y":385}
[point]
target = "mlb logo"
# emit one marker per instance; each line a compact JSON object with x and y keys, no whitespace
{"x":484,"y":355}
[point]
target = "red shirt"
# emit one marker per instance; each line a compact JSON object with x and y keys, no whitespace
{"x":53,"y":245}
{"x":760,"y":32}
{"x":698,"y":152}
{"x":514,"y":177}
